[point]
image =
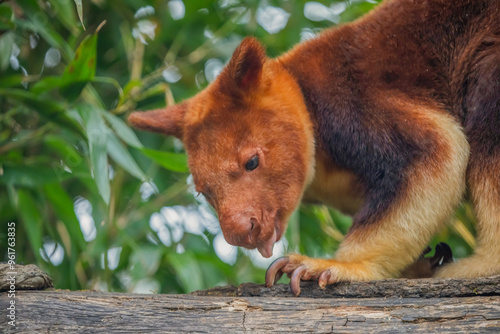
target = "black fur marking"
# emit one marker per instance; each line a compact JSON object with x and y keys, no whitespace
{"x":345,"y":87}
{"x":483,"y":104}
{"x":379,"y":155}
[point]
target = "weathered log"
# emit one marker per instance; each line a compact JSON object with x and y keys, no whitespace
{"x":26,"y":277}
{"x":390,"y":288}
{"x":97,"y":312}
{"x":389,"y":306}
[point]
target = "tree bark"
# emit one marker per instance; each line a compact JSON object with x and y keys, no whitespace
{"x":390,"y":288}
{"x":26,"y":277}
{"x":389,"y":306}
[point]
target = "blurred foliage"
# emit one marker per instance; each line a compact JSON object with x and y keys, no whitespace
{"x":92,"y":199}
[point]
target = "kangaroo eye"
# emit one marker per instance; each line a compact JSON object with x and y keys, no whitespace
{"x":252,"y":163}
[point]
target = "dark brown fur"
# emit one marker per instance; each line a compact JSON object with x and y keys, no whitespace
{"x":426,"y":50}
{"x":388,"y":107}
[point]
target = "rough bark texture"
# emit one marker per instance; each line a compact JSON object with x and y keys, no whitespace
{"x":390,"y":306}
{"x":391,"y":288}
{"x":96,"y":312}
{"x":27,"y":277}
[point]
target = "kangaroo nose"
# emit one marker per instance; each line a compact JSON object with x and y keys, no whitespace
{"x":240,"y":230}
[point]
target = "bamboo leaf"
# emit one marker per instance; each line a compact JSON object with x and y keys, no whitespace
{"x":65,"y":13}
{"x":48,"y":108}
{"x":32,"y":219}
{"x":32,"y":176}
{"x":63,"y":208}
{"x":122,"y":130}
{"x":144,"y":260}
{"x":121,"y":156}
{"x":81,"y":69}
{"x":176,"y":162}
{"x":65,"y":149}
{"x":10,"y":81}
{"x":6,"y":45}
{"x":6,"y":17}
{"x":77,"y":74}
{"x":97,"y":136}
{"x":46,"y":32}
{"x":79,"y":10}
{"x":46,"y":84}
{"x":187,"y":269}
{"x":128,"y":89}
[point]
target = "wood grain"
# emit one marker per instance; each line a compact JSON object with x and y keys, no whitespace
{"x":389,"y":306}
{"x":390,"y":288}
{"x":27,"y":277}
{"x":97,"y":312}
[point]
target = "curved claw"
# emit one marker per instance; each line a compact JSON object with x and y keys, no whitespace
{"x":427,"y":250}
{"x":324,"y":278}
{"x":295,"y":280}
{"x":442,"y":256}
{"x":274,"y":273}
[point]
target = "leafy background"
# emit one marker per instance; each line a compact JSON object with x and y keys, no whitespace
{"x":100,"y":206}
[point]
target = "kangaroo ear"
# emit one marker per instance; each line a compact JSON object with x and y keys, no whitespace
{"x":168,"y":121}
{"x":245,"y":66}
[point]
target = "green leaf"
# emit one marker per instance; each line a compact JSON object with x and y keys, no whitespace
{"x":65,"y":149}
{"x":81,"y":69}
{"x":176,"y":162}
{"x":144,"y":261}
{"x":123,"y":157}
{"x":110,"y":81}
{"x":79,"y":10}
{"x":77,"y":74}
{"x":63,"y":208}
{"x":70,"y":158}
{"x":32,"y":219}
{"x":122,"y":129}
{"x":31,"y":7}
{"x":72,"y":90}
{"x":46,"y":84}
{"x":10,"y":81}
{"x":65,"y":13}
{"x":97,"y":136}
{"x":6,"y":45}
{"x":6,"y":17}
{"x":187,"y":269}
{"x":46,"y":31}
{"x":128,"y":89}
{"x":33,"y":176}
{"x":45,"y":106}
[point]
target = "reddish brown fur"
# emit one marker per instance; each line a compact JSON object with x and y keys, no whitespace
{"x":387,"y":108}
